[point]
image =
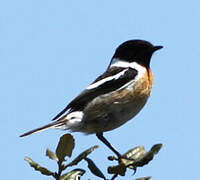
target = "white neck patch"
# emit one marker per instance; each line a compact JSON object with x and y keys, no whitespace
{"x":119,"y":63}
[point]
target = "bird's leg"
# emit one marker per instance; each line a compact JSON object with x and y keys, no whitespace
{"x":104,"y":140}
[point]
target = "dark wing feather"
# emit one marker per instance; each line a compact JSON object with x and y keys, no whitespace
{"x":111,"y":85}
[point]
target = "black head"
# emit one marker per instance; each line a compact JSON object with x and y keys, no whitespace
{"x":139,"y":51}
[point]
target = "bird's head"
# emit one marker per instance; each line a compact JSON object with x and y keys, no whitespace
{"x":139,"y":51}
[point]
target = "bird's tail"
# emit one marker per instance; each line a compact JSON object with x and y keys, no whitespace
{"x":56,"y":124}
{"x":70,"y":121}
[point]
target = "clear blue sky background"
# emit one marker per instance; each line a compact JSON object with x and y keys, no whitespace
{"x":51,"y":50}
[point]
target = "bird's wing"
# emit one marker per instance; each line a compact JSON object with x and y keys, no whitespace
{"x":112,"y":79}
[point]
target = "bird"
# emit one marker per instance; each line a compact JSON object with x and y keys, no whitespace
{"x":114,"y":97}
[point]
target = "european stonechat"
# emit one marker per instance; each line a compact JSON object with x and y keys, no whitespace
{"x":114,"y":97}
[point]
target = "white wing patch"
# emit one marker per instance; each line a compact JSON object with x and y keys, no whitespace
{"x":102,"y":81}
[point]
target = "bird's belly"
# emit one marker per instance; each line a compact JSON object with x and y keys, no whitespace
{"x":107,"y":112}
{"x":128,"y":110}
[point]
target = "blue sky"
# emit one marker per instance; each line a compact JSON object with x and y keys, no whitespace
{"x":51,"y":50}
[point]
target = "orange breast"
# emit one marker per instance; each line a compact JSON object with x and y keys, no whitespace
{"x":145,"y":85}
{"x":151,"y":78}
{"x":142,"y":87}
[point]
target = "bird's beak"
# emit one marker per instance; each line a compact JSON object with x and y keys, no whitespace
{"x":155,"y":48}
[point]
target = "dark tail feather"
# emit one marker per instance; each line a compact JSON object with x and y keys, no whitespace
{"x":48,"y":126}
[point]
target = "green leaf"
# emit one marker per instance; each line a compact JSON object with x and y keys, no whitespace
{"x":65,"y":147}
{"x":134,"y":158}
{"x":51,"y":155}
{"x":130,"y":157}
{"x":119,"y":169}
{"x":81,"y":156}
{"x":37,"y":167}
{"x":94,"y":169}
{"x":73,"y":175}
{"x":144,"y":178}
{"x":145,"y":159}
{"x":135,"y":153}
{"x":156,"y":148}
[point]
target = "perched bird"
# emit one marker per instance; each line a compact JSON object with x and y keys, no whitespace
{"x":114,"y":97}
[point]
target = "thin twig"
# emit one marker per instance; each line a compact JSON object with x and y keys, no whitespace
{"x":114,"y":177}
